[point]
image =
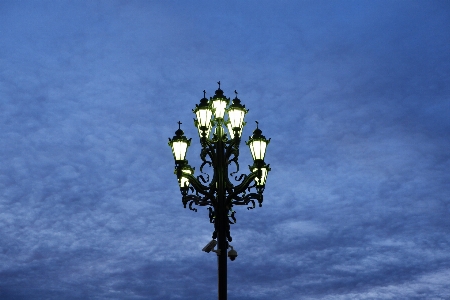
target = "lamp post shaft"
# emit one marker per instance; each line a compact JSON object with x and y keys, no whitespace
{"x":221,"y":218}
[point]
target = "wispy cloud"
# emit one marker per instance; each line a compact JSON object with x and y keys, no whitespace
{"x":354,"y":97}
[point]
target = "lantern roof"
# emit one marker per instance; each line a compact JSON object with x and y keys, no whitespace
{"x":179,"y":134}
{"x":257,"y":134}
{"x":237,"y":103}
{"x":203,"y":102}
{"x":219,"y":93}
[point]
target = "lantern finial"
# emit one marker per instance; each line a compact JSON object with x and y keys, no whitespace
{"x":179,"y":132}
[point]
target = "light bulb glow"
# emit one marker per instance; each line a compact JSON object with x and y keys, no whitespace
{"x":236,"y":117}
{"x":208,"y":131}
{"x":179,"y":149}
{"x":261,"y":181}
{"x":204,"y":117}
{"x":219,"y":106}
{"x":231,"y":132}
{"x":258,"y":149}
{"x":184,"y":182}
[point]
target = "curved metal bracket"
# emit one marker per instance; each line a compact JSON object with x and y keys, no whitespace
{"x":203,"y":189}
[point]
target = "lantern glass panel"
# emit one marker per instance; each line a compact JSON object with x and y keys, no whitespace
{"x":236,"y":117}
{"x":179,"y":149}
{"x":258,"y":149}
{"x":219,"y":106}
{"x":204,"y":117}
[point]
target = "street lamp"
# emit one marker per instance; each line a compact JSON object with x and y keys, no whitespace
{"x":221,"y":191}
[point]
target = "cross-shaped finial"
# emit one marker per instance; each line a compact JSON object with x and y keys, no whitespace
{"x":256,"y":124}
{"x":204,"y":93}
{"x":179,"y":125}
{"x":218,"y":82}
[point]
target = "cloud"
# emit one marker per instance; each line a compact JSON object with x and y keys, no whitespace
{"x":353,"y":97}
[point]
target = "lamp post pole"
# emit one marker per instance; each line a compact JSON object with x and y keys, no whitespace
{"x":222,"y":221}
{"x":221,"y":190}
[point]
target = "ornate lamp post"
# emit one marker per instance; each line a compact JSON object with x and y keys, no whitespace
{"x":219,"y":151}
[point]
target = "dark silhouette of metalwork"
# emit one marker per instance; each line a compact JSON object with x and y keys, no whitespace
{"x":220,"y":152}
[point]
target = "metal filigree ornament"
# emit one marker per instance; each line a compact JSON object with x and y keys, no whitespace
{"x":220,"y":189}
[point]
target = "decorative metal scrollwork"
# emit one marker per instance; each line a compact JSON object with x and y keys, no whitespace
{"x":203,"y":188}
{"x":222,"y":189}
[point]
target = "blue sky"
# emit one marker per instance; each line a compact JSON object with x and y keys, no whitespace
{"x":354,"y":94}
